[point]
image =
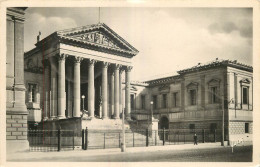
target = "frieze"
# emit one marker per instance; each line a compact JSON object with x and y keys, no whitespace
{"x":164,"y":87}
{"x":98,"y":38}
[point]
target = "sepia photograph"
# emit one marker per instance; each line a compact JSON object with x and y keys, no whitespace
{"x":107,"y":83}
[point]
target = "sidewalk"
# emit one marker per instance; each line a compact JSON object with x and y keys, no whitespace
{"x":60,"y":156}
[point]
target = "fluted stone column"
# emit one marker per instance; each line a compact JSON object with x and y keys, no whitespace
{"x":76,"y":107}
{"x":120,"y":90}
{"x":46,"y":90}
{"x":111,"y":91}
{"x":91,"y":88}
{"x":61,"y":87}
{"x":69,"y":70}
{"x":104,"y":89}
{"x":53,"y":88}
{"x":116,"y":115}
{"x":127,"y":92}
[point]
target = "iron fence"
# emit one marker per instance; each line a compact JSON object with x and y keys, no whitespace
{"x":98,"y":139}
{"x":56,"y":140}
{"x":53,"y":140}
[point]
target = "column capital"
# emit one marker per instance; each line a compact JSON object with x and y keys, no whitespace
{"x":121,"y":70}
{"x":105,"y":64}
{"x":77,"y":59}
{"x":92,"y":62}
{"x":118,"y":66}
{"x":129,"y":68}
{"x":62,"y":56}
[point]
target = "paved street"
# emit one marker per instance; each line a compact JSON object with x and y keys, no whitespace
{"x":173,"y":153}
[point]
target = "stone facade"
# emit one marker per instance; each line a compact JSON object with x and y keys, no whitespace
{"x":16,"y":111}
{"x":197,"y":97}
{"x":16,"y":127}
{"x":85,"y":62}
{"x":90,"y":61}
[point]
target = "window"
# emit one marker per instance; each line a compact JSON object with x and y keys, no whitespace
{"x":213,"y":127}
{"x":192,"y":127}
{"x":174,"y":99}
{"x":245,"y":95}
{"x":246,"y":127}
{"x":155,"y":102}
{"x":193,"y":97}
{"x":164,"y":101}
{"x":142,"y":101}
{"x":32,"y":92}
{"x":213,"y":91}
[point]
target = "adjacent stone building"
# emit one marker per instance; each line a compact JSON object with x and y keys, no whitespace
{"x":196,"y":98}
{"x":16,"y":110}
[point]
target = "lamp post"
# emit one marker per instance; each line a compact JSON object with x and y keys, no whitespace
{"x":83,"y":97}
{"x":123,"y":132}
{"x":151,"y":110}
{"x":223,"y":121}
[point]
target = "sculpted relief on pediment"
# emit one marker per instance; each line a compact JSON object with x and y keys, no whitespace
{"x":98,"y":38}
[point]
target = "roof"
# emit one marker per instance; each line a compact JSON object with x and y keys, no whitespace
{"x":80,"y":36}
{"x":217,"y":63}
{"x":163,"y":80}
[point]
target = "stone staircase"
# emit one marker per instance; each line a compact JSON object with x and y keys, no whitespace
{"x":108,"y":134}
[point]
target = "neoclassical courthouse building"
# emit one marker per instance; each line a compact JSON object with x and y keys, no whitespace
{"x":89,"y":68}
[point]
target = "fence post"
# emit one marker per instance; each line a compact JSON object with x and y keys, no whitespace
{"x":178,"y":137}
{"x":215,"y":135}
{"x":163,"y":136}
{"x":73,"y":142}
{"x":184,"y":136}
{"x":86,"y":138}
{"x":203,"y":135}
{"x":147,"y":137}
{"x":119,"y":141}
{"x":155,"y":135}
{"x":133,"y":139}
{"x":83,"y":135}
{"x":104,"y":140}
{"x":59,"y":138}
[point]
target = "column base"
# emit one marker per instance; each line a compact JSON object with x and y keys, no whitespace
{"x":128,"y":118}
{"x":53,"y":118}
{"x":45,"y":119}
{"x":61,"y":117}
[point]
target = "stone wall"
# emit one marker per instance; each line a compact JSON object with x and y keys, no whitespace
{"x":16,"y":127}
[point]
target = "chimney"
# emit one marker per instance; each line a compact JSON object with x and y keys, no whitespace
{"x":39,"y":37}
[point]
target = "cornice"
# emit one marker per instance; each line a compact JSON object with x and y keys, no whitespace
{"x":16,"y":13}
{"x":217,"y":63}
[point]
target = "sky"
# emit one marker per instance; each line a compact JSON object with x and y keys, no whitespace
{"x":168,"y":39}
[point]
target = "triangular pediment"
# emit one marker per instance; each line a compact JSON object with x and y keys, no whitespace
{"x":246,"y":81}
{"x":99,"y":36}
{"x":214,"y":82}
{"x":133,"y":88}
{"x":192,"y":85}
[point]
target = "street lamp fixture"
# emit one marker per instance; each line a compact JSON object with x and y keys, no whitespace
{"x":151,"y":110}
{"x":83,"y":97}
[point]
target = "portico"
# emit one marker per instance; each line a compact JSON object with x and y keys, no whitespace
{"x":88,"y":61}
